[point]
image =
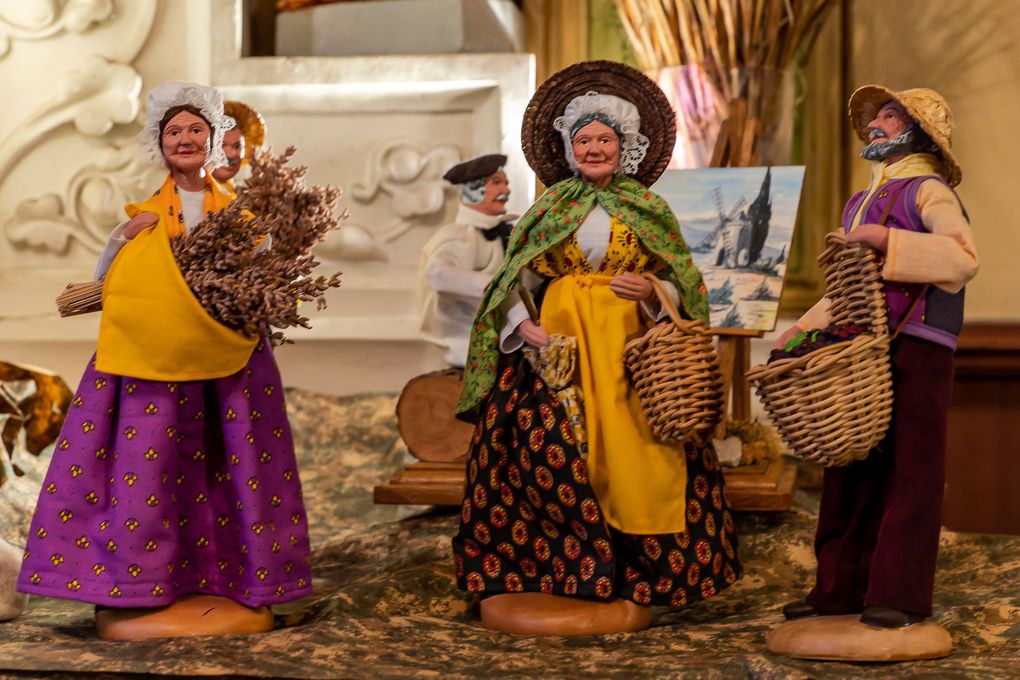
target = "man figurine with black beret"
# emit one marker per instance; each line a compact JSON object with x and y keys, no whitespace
{"x":460,"y":259}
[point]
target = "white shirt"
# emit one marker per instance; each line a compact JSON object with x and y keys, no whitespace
{"x":456,"y":265}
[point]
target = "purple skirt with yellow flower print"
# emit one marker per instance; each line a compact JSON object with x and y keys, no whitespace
{"x":157,"y":490}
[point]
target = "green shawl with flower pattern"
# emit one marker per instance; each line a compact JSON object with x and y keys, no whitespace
{"x":556,"y":215}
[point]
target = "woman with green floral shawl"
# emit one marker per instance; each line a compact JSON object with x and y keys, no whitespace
{"x":596,"y":540}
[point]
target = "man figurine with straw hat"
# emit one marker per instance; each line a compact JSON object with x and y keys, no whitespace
{"x":878,"y":525}
{"x":241,"y":142}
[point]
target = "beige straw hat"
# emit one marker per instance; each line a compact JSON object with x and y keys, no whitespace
{"x":927,"y":107}
{"x":543,"y":144}
{"x":250,"y":123}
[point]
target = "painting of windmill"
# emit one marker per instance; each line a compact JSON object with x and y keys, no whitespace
{"x":739,"y":246}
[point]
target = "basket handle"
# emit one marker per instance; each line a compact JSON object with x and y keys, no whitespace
{"x":882,"y":220}
{"x":665,"y":300}
{"x":528,"y":300}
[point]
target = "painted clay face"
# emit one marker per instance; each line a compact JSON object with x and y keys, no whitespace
{"x":185,"y":142}
{"x":890,"y":122}
{"x":497,"y":193}
{"x":892,"y":135}
{"x":597,"y":152}
{"x":233,"y":147}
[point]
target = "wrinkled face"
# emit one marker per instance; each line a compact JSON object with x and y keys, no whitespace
{"x":233,"y":147}
{"x":597,"y":152}
{"x":185,"y":142}
{"x":497,"y":193}
{"x":890,"y":122}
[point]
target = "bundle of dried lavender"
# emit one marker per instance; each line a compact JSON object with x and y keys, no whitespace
{"x":255,"y":290}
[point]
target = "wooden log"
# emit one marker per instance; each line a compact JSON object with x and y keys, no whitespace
{"x":426,"y":417}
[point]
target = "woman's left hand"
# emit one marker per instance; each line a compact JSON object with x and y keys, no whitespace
{"x":631,"y":287}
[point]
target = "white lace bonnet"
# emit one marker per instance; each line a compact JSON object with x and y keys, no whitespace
{"x":612,"y":110}
{"x":173,"y":93}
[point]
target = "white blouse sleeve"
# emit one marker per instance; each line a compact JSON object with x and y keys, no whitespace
{"x":513,"y":307}
{"x":114,"y":243}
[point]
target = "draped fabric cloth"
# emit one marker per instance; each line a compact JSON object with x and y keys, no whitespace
{"x":157,"y":490}
{"x":152,"y":324}
{"x":554,"y":216}
{"x":638,"y":482}
{"x":531,"y":522}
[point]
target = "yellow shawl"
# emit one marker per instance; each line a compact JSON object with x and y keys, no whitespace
{"x":153,"y":327}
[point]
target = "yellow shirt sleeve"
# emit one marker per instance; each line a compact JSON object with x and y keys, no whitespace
{"x":944,"y":255}
{"x":816,"y":317}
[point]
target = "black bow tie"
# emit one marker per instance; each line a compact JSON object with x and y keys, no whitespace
{"x":501,"y":231}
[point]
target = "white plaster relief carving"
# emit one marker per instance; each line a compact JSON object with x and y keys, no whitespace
{"x":93,"y":97}
{"x":89,"y":206}
{"x":43,"y":19}
{"x":411,"y":175}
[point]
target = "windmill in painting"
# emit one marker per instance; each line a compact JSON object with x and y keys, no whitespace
{"x":741,"y":234}
{"x":739,"y":247}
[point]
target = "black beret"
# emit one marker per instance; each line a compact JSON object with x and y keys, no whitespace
{"x":476,"y":168}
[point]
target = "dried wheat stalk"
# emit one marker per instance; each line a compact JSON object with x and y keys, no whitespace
{"x":253,"y":291}
{"x":736,"y":42}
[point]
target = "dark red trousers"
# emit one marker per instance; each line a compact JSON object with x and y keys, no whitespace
{"x":878,"y":525}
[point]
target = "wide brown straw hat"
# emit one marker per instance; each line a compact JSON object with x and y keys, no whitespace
{"x":927,"y":107}
{"x":250,"y":123}
{"x":543,"y":144}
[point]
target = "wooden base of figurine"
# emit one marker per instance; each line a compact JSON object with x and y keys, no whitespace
{"x":543,"y":614}
{"x":190,"y":615}
{"x":845,"y":638}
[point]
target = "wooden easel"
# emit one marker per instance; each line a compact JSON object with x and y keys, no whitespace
{"x":772,"y":481}
{"x":736,"y":146}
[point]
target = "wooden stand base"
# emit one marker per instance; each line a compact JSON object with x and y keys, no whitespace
{"x":766,"y":485}
{"x":543,"y":614}
{"x":190,"y":615}
{"x":845,"y":638}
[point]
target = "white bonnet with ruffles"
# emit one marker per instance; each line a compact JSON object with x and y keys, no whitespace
{"x":633,"y":144}
{"x":173,"y":93}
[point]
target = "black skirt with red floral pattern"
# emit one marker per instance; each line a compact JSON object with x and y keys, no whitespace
{"x":530,"y":520}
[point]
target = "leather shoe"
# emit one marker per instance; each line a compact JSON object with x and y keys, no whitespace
{"x":887,"y":617}
{"x":799,"y":610}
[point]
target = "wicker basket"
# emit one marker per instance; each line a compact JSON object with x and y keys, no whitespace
{"x":833,"y":405}
{"x":675,"y":371}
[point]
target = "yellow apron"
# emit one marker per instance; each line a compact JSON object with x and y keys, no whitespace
{"x":153,"y":327}
{"x":639,"y":483}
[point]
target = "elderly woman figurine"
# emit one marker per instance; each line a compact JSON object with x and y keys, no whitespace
{"x":556,"y":543}
{"x":172,"y":502}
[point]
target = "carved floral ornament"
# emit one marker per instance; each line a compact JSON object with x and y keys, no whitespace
{"x":93,"y":97}
{"x":42,"y":19}
{"x":411,"y":176}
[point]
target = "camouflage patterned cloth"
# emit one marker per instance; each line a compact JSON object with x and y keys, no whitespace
{"x":386,"y":606}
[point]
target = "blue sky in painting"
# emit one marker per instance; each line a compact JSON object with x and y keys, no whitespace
{"x":689,"y":194}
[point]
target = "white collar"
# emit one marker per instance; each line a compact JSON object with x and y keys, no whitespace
{"x":469,"y":216}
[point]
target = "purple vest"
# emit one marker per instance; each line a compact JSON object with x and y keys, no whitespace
{"x":938,"y":315}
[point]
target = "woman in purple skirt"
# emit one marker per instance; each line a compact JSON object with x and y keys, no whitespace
{"x":173,"y":479}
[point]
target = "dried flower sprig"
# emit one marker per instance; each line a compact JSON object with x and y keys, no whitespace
{"x":252,"y":289}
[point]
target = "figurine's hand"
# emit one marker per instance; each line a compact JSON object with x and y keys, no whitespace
{"x":787,"y":334}
{"x":138,"y":223}
{"x":631,"y":287}
{"x":873,"y":235}
{"x":534,"y":334}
